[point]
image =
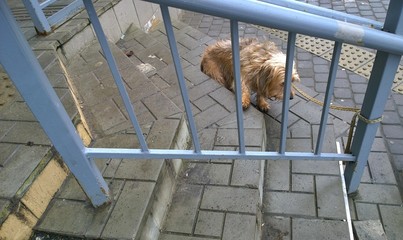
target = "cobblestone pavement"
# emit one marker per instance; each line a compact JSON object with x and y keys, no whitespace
{"x":379,"y":193}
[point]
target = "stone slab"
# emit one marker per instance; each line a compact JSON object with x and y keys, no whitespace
{"x":277,"y":175}
{"x":236,"y":199}
{"x":319,"y":229}
{"x":377,"y":193}
{"x":206,"y":173}
{"x":182,"y":213}
{"x":246,"y":173}
{"x":290,"y":203}
{"x":238,"y":226}
{"x":392,"y":218}
{"x":209,"y":223}
{"x":369,"y":230}
{"x":329,"y":197}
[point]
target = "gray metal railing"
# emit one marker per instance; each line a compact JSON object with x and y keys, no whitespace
{"x":44,"y":103}
{"x":44,"y":24}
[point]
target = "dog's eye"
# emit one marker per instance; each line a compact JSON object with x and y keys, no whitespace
{"x":282,"y":84}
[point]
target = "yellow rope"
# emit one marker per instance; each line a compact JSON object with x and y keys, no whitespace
{"x":342,"y":108}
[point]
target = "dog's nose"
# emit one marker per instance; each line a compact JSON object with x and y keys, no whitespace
{"x":291,"y":97}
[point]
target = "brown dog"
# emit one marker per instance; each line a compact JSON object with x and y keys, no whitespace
{"x":262,"y":69}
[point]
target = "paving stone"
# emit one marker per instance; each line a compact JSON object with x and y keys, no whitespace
{"x":319,"y":229}
{"x":377,"y":193}
{"x":19,"y":167}
{"x":126,"y":217}
{"x":329,"y":197}
{"x":229,"y":137}
{"x":107,"y":114}
{"x":396,"y":146}
{"x":277,"y":176}
{"x":139,"y":169}
{"x":6,"y":152}
{"x":76,"y":219}
{"x":183,"y":211}
{"x":299,"y":145}
{"x":202,"y":90}
{"x":163,"y":133}
{"x":381,"y":168}
{"x":276,"y":227}
{"x":302,"y":183}
{"x":209,"y":223}
{"x":239,"y":226}
{"x":379,"y":145}
{"x":246,"y":173}
{"x":369,"y":230}
{"x":71,"y":190}
{"x":225,"y":98}
{"x":160,"y":106}
{"x":318,"y":167}
{"x":234,"y":199}
{"x":290,"y":203}
{"x":329,"y":143}
{"x":24,"y":132}
{"x":17,"y":111}
{"x":301,"y":129}
{"x":210,"y":116}
{"x":172,"y":236}
{"x":367,"y":211}
{"x":392,"y":217}
{"x":204,"y":102}
{"x":392,"y":131}
{"x":201,"y":173}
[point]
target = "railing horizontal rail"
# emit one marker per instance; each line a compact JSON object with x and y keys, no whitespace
{"x":269,"y":15}
{"x":210,"y":154}
{"x":329,"y":13}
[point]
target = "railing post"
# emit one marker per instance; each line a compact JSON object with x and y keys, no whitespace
{"x":378,"y":90}
{"x":28,"y":77}
{"x":38,"y":17}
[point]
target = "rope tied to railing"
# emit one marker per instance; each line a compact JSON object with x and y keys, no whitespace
{"x":342,"y":108}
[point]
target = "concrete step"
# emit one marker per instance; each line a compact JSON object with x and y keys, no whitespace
{"x":142,"y":189}
{"x":213,"y":198}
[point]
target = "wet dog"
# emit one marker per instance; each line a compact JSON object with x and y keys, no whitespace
{"x":262,"y":69}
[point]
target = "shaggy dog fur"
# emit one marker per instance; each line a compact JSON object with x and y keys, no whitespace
{"x":262,"y":69}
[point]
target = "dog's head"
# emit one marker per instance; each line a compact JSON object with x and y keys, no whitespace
{"x":272,"y":76}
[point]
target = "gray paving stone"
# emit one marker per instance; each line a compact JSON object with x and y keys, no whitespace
{"x":172,"y":236}
{"x":163,"y":133}
{"x":229,"y":137}
{"x":302,"y":183}
{"x":107,"y":115}
{"x":183,"y":211}
{"x":239,"y":226}
{"x":128,"y":213}
{"x":246,"y":173}
{"x":319,"y":229}
{"x":210,"y":116}
{"x":290,"y":203}
{"x":17,"y":111}
{"x":381,"y":168}
{"x":276,"y":227}
{"x":277,"y":176}
{"x":392,"y":217}
{"x":319,"y":167}
{"x":299,"y":145}
{"x":369,"y":230}
{"x":6,"y":152}
{"x":24,"y":132}
{"x":76,"y":219}
{"x":367,"y":211}
{"x":234,"y":199}
{"x":18,"y":168}
{"x":71,"y":190}
{"x":209,"y":223}
{"x":301,"y":129}
{"x":160,"y":106}
{"x":329,"y":197}
{"x":139,"y":169}
{"x":204,"y":102}
{"x":225,"y":98}
{"x":202,"y":173}
{"x":377,"y":193}
{"x":202,"y":90}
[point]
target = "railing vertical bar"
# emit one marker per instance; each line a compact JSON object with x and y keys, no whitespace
{"x":115,"y":72}
{"x":287,"y":90}
{"x":46,"y":3}
{"x":238,"y":87}
{"x":38,"y":17}
{"x":178,"y":68}
{"x":328,"y":95}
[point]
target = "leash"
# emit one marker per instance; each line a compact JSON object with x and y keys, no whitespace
{"x":353,"y":122}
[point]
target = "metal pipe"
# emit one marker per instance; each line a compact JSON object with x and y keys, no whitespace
{"x":211,"y":154}
{"x":115,"y":72}
{"x":328,"y":95}
{"x":287,"y":89}
{"x":269,"y":15}
{"x":238,"y":87}
{"x":324,"y":12}
{"x":179,"y":74}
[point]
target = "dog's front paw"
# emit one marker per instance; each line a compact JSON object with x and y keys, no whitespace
{"x":264,"y":106}
{"x":245,"y":104}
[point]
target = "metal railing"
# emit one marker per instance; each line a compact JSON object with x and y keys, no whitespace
{"x":43,"y":24}
{"x":40,"y":97}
